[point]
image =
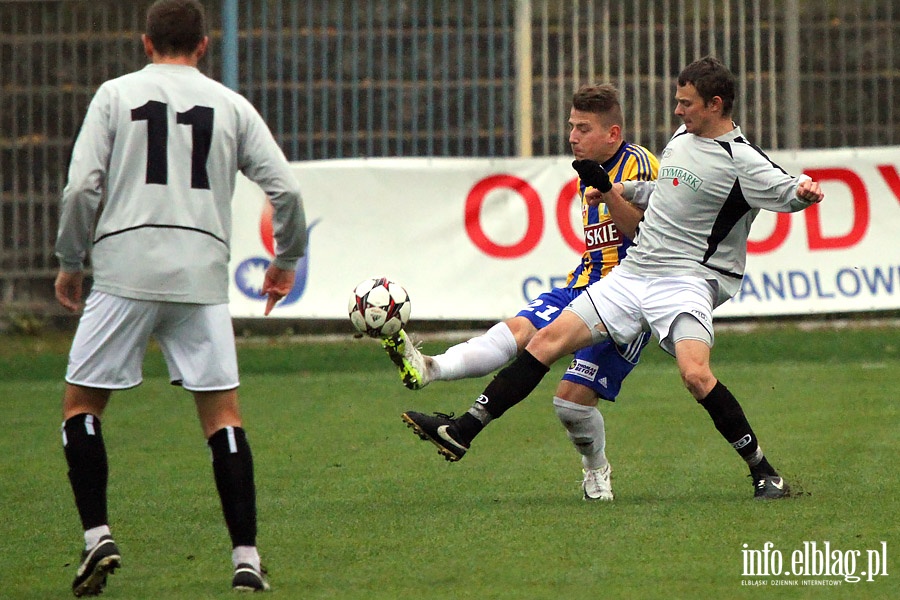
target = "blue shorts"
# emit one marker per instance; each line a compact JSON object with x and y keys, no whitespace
{"x":601,"y":367}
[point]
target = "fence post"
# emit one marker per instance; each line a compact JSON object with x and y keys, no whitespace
{"x":524,"y":109}
{"x":792,"y":74}
{"x":230,"y":43}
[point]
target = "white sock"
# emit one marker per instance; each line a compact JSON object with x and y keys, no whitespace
{"x":584,"y":424}
{"x":246,"y":554}
{"x":93,"y":535}
{"x":476,"y":357}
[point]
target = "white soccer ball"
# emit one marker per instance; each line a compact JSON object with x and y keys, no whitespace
{"x":379,"y":307}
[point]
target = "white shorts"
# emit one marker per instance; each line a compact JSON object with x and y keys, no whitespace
{"x":197,"y":342}
{"x":628,"y":304}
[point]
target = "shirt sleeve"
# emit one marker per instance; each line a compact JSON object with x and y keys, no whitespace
{"x":638,"y":192}
{"x":84,"y":188}
{"x":764,"y":184}
{"x":263,"y":162}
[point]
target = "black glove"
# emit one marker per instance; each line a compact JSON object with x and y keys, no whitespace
{"x":592,"y":174}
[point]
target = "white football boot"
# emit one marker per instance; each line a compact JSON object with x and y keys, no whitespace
{"x":597,"y":485}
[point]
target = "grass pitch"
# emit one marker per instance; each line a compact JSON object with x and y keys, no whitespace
{"x":352,"y":505}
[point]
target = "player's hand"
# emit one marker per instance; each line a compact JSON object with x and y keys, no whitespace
{"x":594,"y":196}
{"x":592,"y":174}
{"x":810,"y":191}
{"x":277,"y":284}
{"x":68,"y":289}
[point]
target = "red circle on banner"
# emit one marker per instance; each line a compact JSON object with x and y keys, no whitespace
{"x":474,"y":202}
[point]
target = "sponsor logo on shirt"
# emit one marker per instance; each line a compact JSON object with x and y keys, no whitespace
{"x":601,"y":235}
{"x":680,"y":176}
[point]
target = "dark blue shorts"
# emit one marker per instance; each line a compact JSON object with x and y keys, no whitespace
{"x":601,"y":367}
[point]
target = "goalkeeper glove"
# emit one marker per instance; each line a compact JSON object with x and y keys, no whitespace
{"x":592,"y":174}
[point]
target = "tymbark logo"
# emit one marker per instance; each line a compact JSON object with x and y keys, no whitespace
{"x":680,"y":176}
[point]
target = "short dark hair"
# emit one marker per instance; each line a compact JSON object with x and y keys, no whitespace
{"x":601,"y":99}
{"x":176,"y":27}
{"x":711,"y":78}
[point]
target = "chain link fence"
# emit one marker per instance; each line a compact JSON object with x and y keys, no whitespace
{"x":340,"y":78}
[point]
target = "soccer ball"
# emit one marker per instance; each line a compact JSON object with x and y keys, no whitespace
{"x":379,"y":307}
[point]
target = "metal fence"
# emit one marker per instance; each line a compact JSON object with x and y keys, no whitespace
{"x":342,"y":78}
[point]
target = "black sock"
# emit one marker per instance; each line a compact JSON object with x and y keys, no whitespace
{"x":88,"y":468}
{"x":233,"y":471}
{"x":731,"y":422}
{"x":508,"y":388}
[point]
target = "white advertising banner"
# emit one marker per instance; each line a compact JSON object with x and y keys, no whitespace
{"x":474,"y":239}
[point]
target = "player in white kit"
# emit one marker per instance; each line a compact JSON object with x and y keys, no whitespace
{"x":688,"y":257}
{"x":149,"y":198}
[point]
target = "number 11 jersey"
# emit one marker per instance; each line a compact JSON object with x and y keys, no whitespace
{"x":157,"y":157}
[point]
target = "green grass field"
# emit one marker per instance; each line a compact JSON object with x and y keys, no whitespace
{"x":352,"y":505}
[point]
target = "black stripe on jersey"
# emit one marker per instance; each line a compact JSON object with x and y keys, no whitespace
{"x":727,"y":147}
{"x":739,"y":139}
{"x":732,"y":211}
{"x":678,"y":132}
{"x":724,"y":272}
{"x":157,"y":226}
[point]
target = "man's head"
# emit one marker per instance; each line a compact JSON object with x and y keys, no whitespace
{"x":595,"y":122}
{"x":176,"y":28}
{"x":705,"y":97}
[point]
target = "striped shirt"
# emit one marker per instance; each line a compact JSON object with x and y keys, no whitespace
{"x":605,"y":247}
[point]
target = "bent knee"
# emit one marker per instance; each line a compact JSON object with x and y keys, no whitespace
{"x":698,"y":381}
{"x":522,"y":330}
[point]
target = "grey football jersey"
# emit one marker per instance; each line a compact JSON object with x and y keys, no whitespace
{"x":157,"y":157}
{"x":700,"y":208}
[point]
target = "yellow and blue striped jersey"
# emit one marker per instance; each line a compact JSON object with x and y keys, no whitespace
{"x":605,"y":247}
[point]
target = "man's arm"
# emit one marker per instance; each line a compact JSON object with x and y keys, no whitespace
{"x":623,"y":213}
{"x":767,"y":186}
{"x":264,"y":163}
{"x":81,"y":200}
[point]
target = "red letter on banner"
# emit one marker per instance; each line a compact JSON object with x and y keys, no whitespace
{"x":782,"y":228}
{"x":475,"y":200}
{"x":563,"y":204}
{"x":893,"y":180}
{"x":817,"y":241}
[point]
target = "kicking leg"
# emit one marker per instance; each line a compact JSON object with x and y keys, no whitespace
{"x":511,"y":385}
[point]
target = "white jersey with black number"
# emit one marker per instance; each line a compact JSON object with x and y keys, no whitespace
{"x":700,"y":208}
{"x":157,"y":157}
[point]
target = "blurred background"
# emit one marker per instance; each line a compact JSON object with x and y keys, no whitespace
{"x":436,"y":78}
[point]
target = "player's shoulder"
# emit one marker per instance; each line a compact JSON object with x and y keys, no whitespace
{"x":742,"y":150}
{"x":126,"y":81}
{"x":638,"y":162}
{"x":680,"y":141}
{"x":638,"y":150}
